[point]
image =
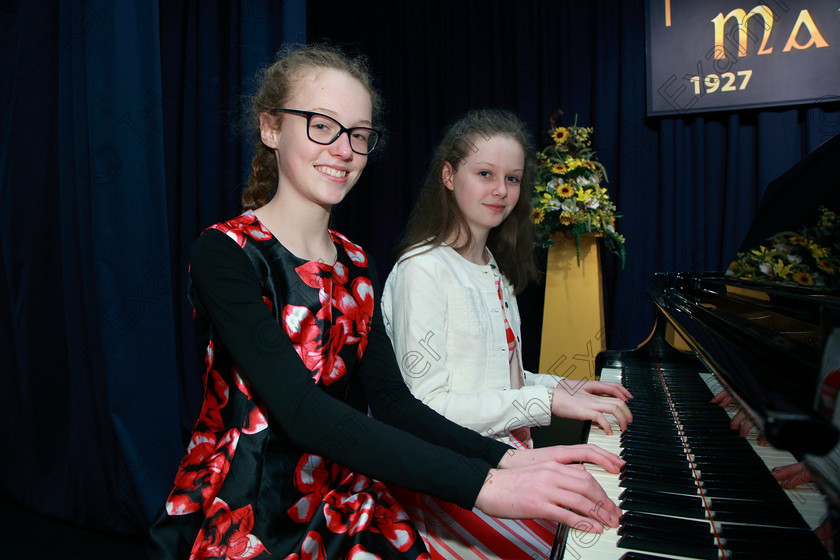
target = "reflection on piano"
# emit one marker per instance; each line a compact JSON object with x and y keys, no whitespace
{"x":692,"y":487}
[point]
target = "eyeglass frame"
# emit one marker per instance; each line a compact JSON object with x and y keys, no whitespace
{"x":341,"y":129}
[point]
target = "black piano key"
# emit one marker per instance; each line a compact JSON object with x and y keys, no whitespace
{"x":699,"y":540}
{"x":655,"y":544}
{"x":640,"y":458}
{"x":663,"y":504}
{"x":657,"y":472}
{"x":655,"y":485}
{"x":772,"y":542}
{"x":753,"y":512}
{"x":641,"y":556}
{"x":633,"y":520}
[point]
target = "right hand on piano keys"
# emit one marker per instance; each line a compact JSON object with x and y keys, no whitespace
{"x":541,"y":484}
{"x":592,"y":400}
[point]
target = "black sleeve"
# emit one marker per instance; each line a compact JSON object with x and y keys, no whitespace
{"x":392,"y":401}
{"x":227,"y":290}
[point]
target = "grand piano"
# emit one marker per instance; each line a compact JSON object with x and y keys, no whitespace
{"x":693,"y":487}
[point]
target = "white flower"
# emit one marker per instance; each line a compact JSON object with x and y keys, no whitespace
{"x":793,"y":259}
{"x":554,"y":204}
{"x":584,"y":180}
{"x":610,"y":228}
{"x":592,"y":203}
{"x":782,"y":247}
{"x":569,"y":205}
{"x":767,"y":269}
{"x":554,"y":183}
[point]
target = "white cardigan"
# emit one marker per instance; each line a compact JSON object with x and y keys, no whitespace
{"x":444,"y":318}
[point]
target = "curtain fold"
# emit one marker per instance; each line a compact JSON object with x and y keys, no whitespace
{"x":114,"y":271}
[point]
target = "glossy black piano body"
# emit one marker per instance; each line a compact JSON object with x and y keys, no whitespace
{"x":764,"y":342}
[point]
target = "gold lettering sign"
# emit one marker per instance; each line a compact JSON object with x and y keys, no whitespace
{"x":706,"y":56}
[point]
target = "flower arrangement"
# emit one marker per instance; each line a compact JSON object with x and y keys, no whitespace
{"x":808,"y":258}
{"x":568,"y":196}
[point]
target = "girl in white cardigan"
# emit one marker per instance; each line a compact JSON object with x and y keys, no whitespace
{"x":450,"y":310}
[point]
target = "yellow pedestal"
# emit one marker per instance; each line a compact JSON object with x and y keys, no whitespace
{"x":573,"y":319}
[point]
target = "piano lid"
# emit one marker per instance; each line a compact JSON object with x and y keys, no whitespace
{"x":791,"y":200}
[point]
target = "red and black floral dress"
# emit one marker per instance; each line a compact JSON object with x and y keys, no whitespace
{"x":273,"y":466}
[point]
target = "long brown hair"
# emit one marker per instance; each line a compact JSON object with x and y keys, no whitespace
{"x":275,"y":88}
{"x":436,"y":214}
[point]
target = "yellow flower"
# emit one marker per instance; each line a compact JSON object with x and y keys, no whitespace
{"x":559,"y":169}
{"x":803,"y":278}
{"x":825,"y":266}
{"x":782,"y":270}
{"x":566,"y":218}
{"x":565,"y":190}
{"x":537,"y":215}
{"x":816,"y":251}
{"x":560,"y":134}
{"x":573,"y":163}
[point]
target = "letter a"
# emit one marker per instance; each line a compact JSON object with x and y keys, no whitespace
{"x":816,"y":38}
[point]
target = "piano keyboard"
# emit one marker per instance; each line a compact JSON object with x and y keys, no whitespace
{"x":692,"y":488}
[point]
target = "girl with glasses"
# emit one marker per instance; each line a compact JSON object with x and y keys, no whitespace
{"x":284,"y":460}
{"x":450,"y":310}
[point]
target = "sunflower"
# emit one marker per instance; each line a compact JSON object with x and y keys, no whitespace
{"x":537,"y":215}
{"x":560,"y":134}
{"x":559,"y":169}
{"x":565,"y":190}
{"x":825,"y":266}
{"x":803,"y":278}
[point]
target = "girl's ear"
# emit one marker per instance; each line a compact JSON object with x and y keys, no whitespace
{"x":447,"y":176}
{"x":268,"y":130}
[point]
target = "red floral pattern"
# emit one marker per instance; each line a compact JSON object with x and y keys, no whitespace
{"x":245,"y":225}
{"x":356,"y":253}
{"x":311,"y":549}
{"x":350,"y":326}
{"x":255,"y":416}
{"x":226,"y":534}
{"x":351,"y":502}
{"x":202,"y":471}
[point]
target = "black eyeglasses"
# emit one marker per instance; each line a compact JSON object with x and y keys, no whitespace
{"x":325,"y":130}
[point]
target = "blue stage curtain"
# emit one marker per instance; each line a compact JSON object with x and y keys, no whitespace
{"x":117,"y":147}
